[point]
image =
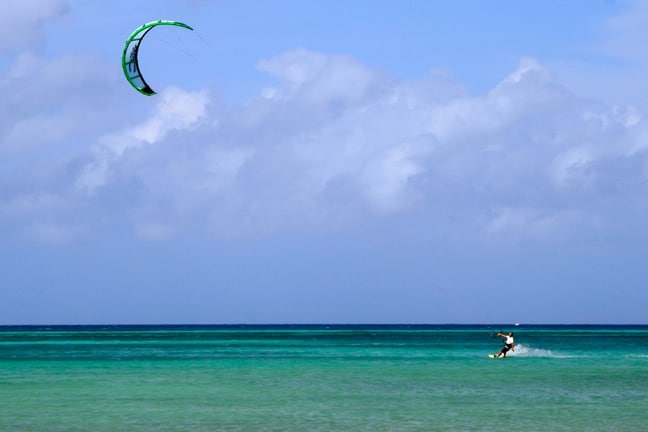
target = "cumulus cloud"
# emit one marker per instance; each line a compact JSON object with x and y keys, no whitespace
{"x":334,"y":143}
{"x":46,"y":110}
{"x":176,"y":110}
{"x":20,"y":21}
{"x":310,"y":152}
{"x":47,"y":124}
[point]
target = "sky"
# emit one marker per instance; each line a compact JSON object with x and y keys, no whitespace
{"x":419,"y":161}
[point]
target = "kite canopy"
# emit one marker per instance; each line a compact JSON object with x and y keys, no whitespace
{"x":131,"y":49}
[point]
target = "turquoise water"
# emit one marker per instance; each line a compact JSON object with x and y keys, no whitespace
{"x":322,"y":378}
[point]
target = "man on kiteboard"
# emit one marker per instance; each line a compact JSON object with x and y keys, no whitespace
{"x":509,"y":344}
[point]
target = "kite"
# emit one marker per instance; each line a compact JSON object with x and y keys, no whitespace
{"x":131,"y":49}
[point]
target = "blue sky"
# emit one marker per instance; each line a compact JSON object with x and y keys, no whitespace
{"x":325,"y":162}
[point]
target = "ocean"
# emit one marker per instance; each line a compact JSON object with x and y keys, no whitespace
{"x":322,"y":378}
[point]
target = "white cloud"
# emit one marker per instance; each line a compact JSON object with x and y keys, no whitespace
{"x":334,"y":143}
{"x":49,"y":106}
{"x":296,"y":67}
{"x":20,"y":21}
{"x":386,"y":175}
{"x":317,"y":78}
{"x":175,"y":110}
{"x":571,"y":168}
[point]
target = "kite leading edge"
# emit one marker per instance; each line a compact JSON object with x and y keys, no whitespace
{"x":130,"y":63}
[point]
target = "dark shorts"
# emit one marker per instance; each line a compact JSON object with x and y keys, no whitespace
{"x":507,"y":348}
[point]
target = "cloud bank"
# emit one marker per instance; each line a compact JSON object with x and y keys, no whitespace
{"x":332,"y":143}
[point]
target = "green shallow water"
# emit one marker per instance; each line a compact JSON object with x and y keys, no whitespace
{"x":322,"y":378}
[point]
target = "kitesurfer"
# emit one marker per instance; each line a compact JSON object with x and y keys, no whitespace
{"x":509,"y":344}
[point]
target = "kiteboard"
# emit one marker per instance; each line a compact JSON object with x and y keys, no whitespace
{"x":494,"y":356}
